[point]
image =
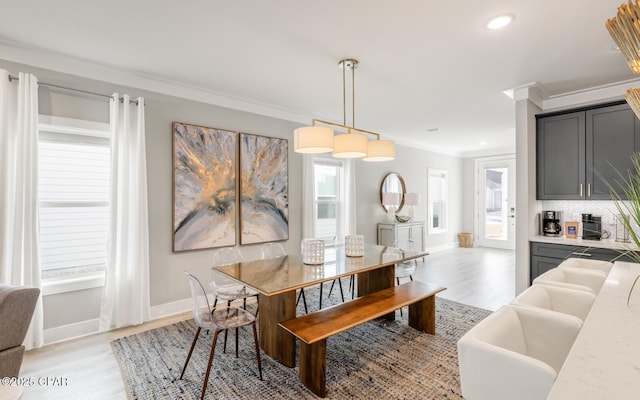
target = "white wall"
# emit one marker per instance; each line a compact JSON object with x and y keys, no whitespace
{"x":168,"y":286}
{"x":412,"y":165}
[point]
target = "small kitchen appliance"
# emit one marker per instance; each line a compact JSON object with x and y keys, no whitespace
{"x":591,"y":227}
{"x":552,"y":223}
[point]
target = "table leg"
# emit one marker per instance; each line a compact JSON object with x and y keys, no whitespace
{"x":275,"y":341}
{"x":422,"y":315}
{"x":376,"y":280}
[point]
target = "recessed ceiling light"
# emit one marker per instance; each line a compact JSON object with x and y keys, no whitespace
{"x":499,"y":21}
{"x":483,"y":143}
{"x":433,"y":129}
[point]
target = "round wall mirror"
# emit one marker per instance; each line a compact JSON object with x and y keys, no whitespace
{"x":392,"y":183}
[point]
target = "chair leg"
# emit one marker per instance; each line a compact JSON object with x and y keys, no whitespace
{"x":304,"y":301}
{"x":320,"y":307}
{"x":224,"y":348}
{"x":255,"y":340}
{"x":237,"y":342}
{"x":352,"y":286}
{"x":331,"y":288}
{"x":206,"y":376}
{"x":193,"y":344}
{"x":257,"y":305}
{"x":340,"y":286}
{"x":411,"y":277}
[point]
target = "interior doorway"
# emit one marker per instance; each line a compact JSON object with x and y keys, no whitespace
{"x":496,"y":202}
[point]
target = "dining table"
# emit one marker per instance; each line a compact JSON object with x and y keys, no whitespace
{"x":277,"y":279}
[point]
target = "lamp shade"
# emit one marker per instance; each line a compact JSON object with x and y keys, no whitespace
{"x":380,"y":150}
{"x":411,"y":199}
{"x":391,"y":199}
{"x":350,"y":145}
{"x":313,"y":140}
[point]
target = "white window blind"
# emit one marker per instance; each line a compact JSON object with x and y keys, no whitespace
{"x":329,"y":214}
{"x":74,"y":192}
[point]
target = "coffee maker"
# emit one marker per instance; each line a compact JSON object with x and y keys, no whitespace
{"x":552,"y":223}
{"x":591,"y":227}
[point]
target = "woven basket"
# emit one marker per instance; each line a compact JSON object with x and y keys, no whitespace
{"x":465,"y":239}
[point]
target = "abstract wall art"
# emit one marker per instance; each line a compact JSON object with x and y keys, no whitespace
{"x":264,"y":189}
{"x":204,"y":187}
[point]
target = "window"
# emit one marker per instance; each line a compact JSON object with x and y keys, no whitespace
{"x":74,"y":192}
{"x":437,"y":201}
{"x":328,"y":201}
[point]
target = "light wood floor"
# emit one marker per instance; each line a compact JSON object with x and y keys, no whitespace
{"x":480,"y":277}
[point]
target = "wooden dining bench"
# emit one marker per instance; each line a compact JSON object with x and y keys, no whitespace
{"x":313,"y":329}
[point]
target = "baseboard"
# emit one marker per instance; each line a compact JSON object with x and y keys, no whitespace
{"x":92,"y":326}
{"x":168,"y":309}
{"x":71,"y":331}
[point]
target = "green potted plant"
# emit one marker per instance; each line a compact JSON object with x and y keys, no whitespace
{"x":625,"y":193}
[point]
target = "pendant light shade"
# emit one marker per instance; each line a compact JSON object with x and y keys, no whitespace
{"x":313,"y":140}
{"x":350,"y":145}
{"x":380,"y":150}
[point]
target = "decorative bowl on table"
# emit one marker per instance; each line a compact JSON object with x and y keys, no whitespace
{"x":403,"y":218}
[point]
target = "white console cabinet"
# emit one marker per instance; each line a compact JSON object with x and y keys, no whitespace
{"x":402,"y":232}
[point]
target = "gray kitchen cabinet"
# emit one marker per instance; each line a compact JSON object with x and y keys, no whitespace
{"x":572,"y":146}
{"x":402,"y":232}
{"x":560,"y":156}
{"x":613,"y":134}
{"x":545,"y":256}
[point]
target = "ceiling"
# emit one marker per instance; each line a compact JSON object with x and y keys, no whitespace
{"x":430,"y":75}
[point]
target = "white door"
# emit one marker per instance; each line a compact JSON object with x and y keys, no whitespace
{"x":496,"y":202}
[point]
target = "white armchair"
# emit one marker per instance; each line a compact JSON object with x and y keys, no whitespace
{"x":574,"y":278}
{"x":555,"y":298}
{"x":597,"y":265}
{"x":515,"y":353}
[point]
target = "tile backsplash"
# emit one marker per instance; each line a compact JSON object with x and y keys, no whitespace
{"x":573,"y":209}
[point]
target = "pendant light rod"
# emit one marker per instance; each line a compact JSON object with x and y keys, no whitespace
{"x":348,"y":64}
{"x":348,"y":128}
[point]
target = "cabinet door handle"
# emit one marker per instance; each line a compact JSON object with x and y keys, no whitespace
{"x":588,"y":189}
{"x":577,"y":253}
{"x":581,"y":190}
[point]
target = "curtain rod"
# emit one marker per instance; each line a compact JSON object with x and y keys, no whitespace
{"x":15,"y":78}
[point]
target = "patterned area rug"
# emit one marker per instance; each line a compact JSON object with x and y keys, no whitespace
{"x":376,"y":360}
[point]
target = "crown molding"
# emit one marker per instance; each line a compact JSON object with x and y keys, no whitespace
{"x":46,"y":59}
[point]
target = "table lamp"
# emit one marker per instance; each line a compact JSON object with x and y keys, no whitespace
{"x":391,"y":201}
{"x":411,"y":199}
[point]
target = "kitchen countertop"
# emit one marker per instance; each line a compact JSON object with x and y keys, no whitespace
{"x":604,"y":361}
{"x":600,"y":244}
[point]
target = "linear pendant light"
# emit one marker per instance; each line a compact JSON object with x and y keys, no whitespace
{"x":353,"y":142}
